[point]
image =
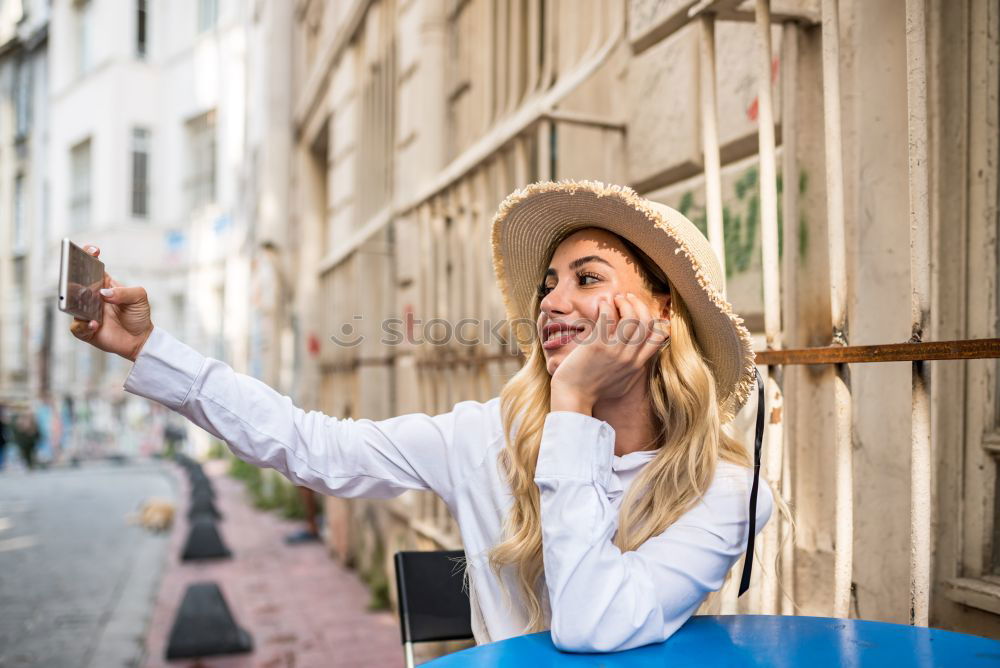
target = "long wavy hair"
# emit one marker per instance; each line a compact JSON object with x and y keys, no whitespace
{"x":689,"y":440}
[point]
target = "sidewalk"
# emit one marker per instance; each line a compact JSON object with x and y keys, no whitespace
{"x":301,"y":607}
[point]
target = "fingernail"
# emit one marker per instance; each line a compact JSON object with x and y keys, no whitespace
{"x":89,"y":248}
{"x":630,"y":295}
{"x":107,"y":292}
{"x":92,"y":324}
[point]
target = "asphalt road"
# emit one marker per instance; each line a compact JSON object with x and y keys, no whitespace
{"x":77,"y":580}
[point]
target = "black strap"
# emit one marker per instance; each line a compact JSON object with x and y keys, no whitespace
{"x":758,"y":441}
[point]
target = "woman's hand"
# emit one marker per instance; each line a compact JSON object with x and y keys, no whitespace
{"x":126,"y":324}
{"x":612,"y":358}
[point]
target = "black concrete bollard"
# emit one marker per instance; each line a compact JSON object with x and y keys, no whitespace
{"x":186,"y":462}
{"x":203,"y":506}
{"x":204,"y":626}
{"x":198,"y":475}
{"x":204,"y":541}
{"x":202,"y":487}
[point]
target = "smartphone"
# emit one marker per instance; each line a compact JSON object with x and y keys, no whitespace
{"x":81,"y":275}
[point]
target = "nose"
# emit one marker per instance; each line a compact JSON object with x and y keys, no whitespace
{"x":556,"y":302}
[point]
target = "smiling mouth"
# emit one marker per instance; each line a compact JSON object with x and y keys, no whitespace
{"x":560,"y":337}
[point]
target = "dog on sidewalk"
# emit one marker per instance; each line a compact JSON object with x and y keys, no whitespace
{"x":154,"y":514}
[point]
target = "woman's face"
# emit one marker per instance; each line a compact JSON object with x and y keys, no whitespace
{"x":589,"y":265}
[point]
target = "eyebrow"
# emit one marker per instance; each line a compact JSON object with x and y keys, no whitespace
{"x":579,"y":262}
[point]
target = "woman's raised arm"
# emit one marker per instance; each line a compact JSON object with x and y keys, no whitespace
{"x":342,"y":457}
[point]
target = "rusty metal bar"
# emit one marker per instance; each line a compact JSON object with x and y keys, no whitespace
{"x":729,"y":10}
{"x":712,"y":6}
{"x":920,"y":289}
{"x":453,"y":360}
{"x":970,"y":349}
{"x":710,"y":141}
{"x":355,"y":364}
{"x":844,"y":531}
{"x":584,"y":119}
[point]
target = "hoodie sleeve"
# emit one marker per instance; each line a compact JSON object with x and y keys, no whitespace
{"x":603,"y":600}
{"x":340,"y":457}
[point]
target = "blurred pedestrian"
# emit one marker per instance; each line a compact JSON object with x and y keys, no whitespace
{"x":174,"y":436}
{"x":3,"y":435}
{"x":311,"y":533}
{"x":26,"y":436}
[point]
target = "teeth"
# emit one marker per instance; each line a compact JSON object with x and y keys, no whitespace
{"x":559,"y":332}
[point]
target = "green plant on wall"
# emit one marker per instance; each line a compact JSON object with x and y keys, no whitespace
{"x":271,"y":493}
{"x":741,"y":220}
{"x":217,"y":449}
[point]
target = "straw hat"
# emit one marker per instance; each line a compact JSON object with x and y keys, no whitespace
{"x":532,"y":221}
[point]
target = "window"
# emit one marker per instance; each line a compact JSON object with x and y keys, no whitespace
{"x":44,"y":220}
{"x":141,"y":14}
{"x":45,"y":351}
{"x":140,"y":172}
{"x":200,"y":181}
{"x":79,"y":203}
{"x":22,"y":99}
{"x":219,"y":335}
{"x":17,"y":362}
{"x":84,"y":36}
{"x":20,"y":233}
{"x":208,"y":14}
{"x":178,"y":309}
{"x":376,"y":141}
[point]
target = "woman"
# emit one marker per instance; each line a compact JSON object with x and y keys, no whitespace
{"x":26,"y":436}
{"x":597,"y":495}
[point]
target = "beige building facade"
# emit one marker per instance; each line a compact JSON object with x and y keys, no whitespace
{"x":414,"y":118}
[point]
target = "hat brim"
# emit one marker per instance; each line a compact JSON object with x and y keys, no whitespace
{"x":532,"y":221}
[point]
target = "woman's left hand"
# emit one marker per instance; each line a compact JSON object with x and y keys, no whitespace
{"x":612,"y":358}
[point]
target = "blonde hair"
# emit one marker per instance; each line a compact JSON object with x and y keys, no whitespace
{"x":689,"y":439}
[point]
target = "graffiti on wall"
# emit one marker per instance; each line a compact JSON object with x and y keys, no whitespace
{"x":741,"y":220}
{"x":741,"y":227}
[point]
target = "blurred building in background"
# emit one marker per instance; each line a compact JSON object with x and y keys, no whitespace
{"x":24,"y":66}
{"x":27,"y":321}
{"x":128,"y":133}
{"x":272,"y":170}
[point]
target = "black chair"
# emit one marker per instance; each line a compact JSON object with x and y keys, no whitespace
{"x":433,"y":604}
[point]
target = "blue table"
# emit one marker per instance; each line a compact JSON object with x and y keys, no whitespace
{"x":757,"y":640}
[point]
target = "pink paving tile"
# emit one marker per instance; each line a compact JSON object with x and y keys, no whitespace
{"x":302,"y":608}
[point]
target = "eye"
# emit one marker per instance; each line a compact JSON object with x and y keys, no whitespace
{"x":543,"y":290}
{"x":583,"y":275}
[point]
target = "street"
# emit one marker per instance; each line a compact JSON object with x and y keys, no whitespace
{"x":77,"y":580}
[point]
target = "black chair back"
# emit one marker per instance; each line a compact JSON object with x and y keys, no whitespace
{"x":433,"y":604}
